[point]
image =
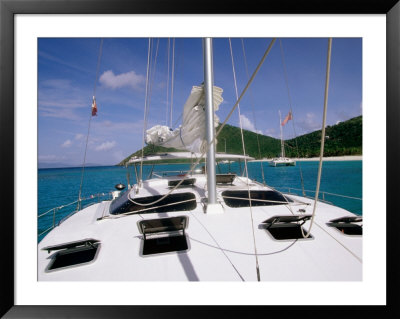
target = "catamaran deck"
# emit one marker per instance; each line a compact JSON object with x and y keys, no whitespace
{"x":220,"y":246}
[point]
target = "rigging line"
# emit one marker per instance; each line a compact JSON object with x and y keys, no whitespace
{"x":244,"y":253}
{"x":145,"y":111}
{"x":172,"y":79}
{"x":328,"y":68}
{"x":149,"y":92}
{"x":98,"y":66}
{"x":218,"y":246}
{"x":221,"y":127}
{"x":153,"y":69}
{"x":177,"y":120}
{"x":90,"y":120}
{"x":339,"y":242}
{"x":245,"y":161}
{"x":247,"y":85}
{"x":166,"y":109}
{"x":175,"y":187}
{"x":252,"y":108}
{"x":134,"y":212}
{"x":291,"y":110}
{"x":179,"y":63}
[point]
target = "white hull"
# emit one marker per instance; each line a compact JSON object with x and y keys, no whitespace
{"x":221,"y":246}
{"x":282,"y":162}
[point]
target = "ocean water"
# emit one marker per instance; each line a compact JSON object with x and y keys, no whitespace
{"x":60,"y":186}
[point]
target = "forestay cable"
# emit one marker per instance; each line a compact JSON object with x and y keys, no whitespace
{"x":321,"y":155}
{"x":245,"y":162}
{"x":254,"y":116}
{"x":167,"y":109}
{"x":145,"y":111}
{"x":291,"y":111}
{"x":172,"y":80}
{"x":247,"y":85}
{"x":216,"y":135}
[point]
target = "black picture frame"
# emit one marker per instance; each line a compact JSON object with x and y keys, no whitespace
{"x":8,"y":10}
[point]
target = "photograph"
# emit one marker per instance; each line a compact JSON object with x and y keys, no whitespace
{"x":165,"y":159}
{"x":200,"y":159}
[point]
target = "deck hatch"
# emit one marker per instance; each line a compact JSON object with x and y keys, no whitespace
{"x":240,"y":198}
{"x":73,"y":254}
{"x":225,"y":178}
{"x":172,"y":203}
{"x":347,"y":225}
{"x":287,"y":226}
{"x":186,"y":182}
{"x":163,"y":235}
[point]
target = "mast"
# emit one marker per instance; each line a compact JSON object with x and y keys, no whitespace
{"x":213,"y":206}
{"x":280,"y":125}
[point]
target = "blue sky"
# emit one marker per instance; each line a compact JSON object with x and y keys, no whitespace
{"x":67,"y":72}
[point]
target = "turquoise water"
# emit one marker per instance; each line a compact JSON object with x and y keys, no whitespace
{"x":60,"y":186}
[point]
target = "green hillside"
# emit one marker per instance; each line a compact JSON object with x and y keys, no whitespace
{"x":344,"y":138}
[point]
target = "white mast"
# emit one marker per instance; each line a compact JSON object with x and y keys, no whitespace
{"x":213,"y":206}
{"x":280,"y":125}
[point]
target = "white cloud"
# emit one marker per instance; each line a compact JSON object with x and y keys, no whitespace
{"x":108,"y":127}
{"x":128,"y":79}
{"x":105,"y":146}
{"x":271,"y":132}
{"x":59,"y":98}
{"x":56,"y":84}
{"x":52,"y":58}
{"x":309,"y":123}
{"x":67,"y":143}
{"x":62,"y":104}
{"x":79,"y":136}
{"x":62,"y":113}
{"x":248,"y":125}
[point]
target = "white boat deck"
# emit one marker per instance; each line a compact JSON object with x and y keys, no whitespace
{"x":221,"y":246}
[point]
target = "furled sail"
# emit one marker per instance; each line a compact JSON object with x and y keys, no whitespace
{"x":191,"y":135}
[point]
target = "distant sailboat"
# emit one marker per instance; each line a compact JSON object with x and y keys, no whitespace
{"x":282,"y":160}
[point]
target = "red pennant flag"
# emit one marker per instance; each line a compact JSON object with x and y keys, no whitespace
{"x":287,"y":118}
{"x":94,"y":107}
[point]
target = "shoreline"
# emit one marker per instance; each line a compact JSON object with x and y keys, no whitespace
{"x":325,"y":159}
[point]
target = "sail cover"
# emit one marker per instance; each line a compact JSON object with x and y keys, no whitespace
{"x":191,"y":135}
